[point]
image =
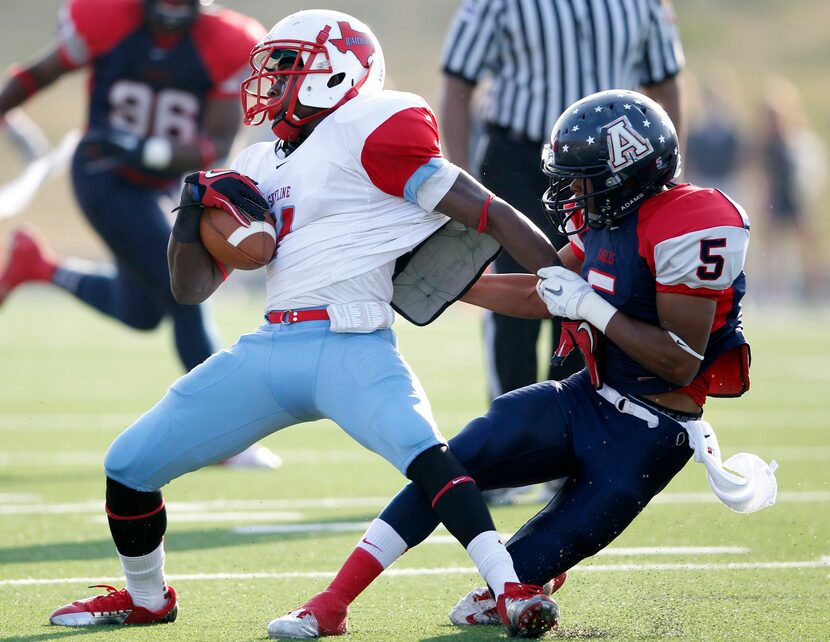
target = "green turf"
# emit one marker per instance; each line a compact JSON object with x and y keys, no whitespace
{"x":70,"y":380}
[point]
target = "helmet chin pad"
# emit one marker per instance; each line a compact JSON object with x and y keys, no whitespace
{"x":284,"y":130}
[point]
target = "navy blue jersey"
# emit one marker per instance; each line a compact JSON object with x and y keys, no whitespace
{"x":150,"y":85}
{"x":687,"y":240}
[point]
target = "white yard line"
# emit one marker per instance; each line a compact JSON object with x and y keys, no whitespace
{"x":16,"y":506}
{"x":18,"y":497}
{"x":824,"y":562}
{"x":96,"y":458}
{"x":631,"y":551}
{"x":228,"y":516}
{"x":96,"y":506}
{"x":305,"y":456}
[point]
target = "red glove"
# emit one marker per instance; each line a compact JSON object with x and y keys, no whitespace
{"x":584,"y":337}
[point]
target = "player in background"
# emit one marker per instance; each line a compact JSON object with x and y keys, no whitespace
{"x":164,"y":81}
{"x":650,"y":288}
{"x":356,"y":182}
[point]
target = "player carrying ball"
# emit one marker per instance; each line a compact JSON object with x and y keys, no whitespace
{"x":368,"y":213}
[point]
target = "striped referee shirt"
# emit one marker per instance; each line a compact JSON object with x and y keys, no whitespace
{"x":539,"y":56}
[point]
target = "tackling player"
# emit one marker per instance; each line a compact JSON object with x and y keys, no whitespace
{"x":164,"y":79}
{"x":652,"y":280}
{"x":368,"y":212}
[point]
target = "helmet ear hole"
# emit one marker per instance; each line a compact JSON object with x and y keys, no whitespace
{"x":335,"y":80}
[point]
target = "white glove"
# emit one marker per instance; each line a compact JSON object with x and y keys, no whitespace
{"x":568,"y":295}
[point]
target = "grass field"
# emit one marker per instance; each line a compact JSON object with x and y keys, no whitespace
{"x":246,"y":546}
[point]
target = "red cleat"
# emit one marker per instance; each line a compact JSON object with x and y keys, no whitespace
{"x":324,"y":614}
{"x":526,"y":611}
{"x":555,"y":584}
{"x":30,"y":259}
{"x":116,"y":607}
{"x":479,"y":607}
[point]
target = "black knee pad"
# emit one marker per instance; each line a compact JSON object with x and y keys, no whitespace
{"x":137,"y":519}
{"x":454,"y":496}
{"x":433,"y":469}
{"x":127,"y":502}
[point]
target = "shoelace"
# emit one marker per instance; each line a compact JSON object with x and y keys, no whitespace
{"x":119,"y":599}
{"x":523,"y":591}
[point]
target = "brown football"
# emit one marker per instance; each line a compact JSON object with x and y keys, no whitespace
{"x":233,"y":244}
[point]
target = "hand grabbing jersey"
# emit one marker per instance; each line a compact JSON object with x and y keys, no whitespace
{"x":568,"y":295}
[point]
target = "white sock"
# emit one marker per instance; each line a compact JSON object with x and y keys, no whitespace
{"x":145,"y":579}
{"x":493,"y":561}
{"x":383,"y":543}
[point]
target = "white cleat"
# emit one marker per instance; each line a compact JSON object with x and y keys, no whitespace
{"x":299,"y":624}
{"x":324,"y":614}
{"x":255,"y":456}
{"x":477,"y":607}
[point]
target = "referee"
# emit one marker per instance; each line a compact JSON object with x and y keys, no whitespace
{"x":530,"y":59}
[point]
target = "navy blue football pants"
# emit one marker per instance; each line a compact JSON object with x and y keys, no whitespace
{"x":130,"y":220}
{"x":613,"y":464}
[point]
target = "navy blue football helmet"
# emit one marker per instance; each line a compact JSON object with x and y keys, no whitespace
{"x":622,"y":146}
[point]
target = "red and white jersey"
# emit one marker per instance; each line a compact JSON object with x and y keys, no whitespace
{"x":686,"y":240}
{"x":345,"y":200}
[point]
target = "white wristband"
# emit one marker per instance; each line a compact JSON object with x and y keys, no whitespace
{"x":596,"y":311}
{"x":684,"y":346}
{"x":157,"y":153}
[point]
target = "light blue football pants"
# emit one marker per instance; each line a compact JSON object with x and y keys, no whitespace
{"x":278,"y":376}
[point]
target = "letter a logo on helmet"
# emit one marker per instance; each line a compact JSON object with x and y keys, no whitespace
{"x":625,"y":145}
{"x":359,"y":43}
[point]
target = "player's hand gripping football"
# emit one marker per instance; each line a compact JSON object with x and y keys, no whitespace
{"x":568,"y":295}
{"x":231,"y":191}
{"x":226,"y":189}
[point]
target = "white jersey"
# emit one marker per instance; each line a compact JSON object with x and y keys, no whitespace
{"x":345,"y":200}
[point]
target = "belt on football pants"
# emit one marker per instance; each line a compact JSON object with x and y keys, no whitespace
{"x":287,"y":317}
{"x":625,"y":405}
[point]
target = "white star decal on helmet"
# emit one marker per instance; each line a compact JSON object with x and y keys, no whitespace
{"x":590,"y":140}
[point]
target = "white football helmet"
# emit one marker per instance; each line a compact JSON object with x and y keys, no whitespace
{"x":316,"y":58}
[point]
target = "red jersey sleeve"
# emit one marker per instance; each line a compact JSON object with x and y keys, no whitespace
{"x":400,"y":146}
{"x":224,"y":39}
{"x":89,"y":28}
{"x":694,"y":240}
